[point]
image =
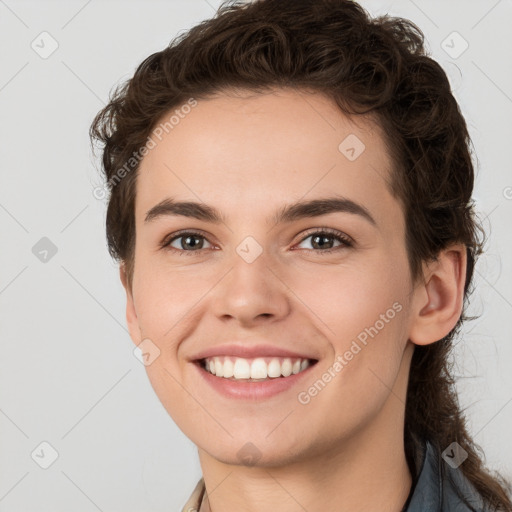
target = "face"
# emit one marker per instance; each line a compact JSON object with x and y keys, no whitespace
{"x":245,"y":276}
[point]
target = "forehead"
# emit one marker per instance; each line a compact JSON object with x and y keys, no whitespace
{"x":245,"y":151}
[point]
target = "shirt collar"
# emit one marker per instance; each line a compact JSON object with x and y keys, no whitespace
{"x":438,"y":486}
{"x":427,"y":486}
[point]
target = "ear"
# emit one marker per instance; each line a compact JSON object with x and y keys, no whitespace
{"x":438,"y":299}
{"x":131,"y":314}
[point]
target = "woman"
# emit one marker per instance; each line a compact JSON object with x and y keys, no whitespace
{"x":291,"y":207}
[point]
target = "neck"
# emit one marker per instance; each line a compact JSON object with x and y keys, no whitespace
{"x":367,"y":473}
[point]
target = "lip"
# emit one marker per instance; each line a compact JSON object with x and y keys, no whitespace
{"x":251,"y":390}
{"x":250,"y":352}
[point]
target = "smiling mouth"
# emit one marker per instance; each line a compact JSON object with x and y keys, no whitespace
{"x":257,"y":369}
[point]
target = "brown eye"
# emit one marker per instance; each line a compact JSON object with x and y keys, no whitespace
{"x":185,"y":242}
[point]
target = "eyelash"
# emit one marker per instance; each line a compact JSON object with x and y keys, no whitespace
{"x":345,"y":240}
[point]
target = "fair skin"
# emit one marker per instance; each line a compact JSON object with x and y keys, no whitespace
{"x":248,"y":156}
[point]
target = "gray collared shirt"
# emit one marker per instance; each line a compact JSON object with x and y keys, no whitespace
{"x":439,"y":487}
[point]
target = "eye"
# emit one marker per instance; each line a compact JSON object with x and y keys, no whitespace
{"x":184,"y":242}
{"x":188,"y":242}
{"x":324,"y":238}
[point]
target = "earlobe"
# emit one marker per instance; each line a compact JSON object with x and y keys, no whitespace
{"x":131,"y":313}
{"x":438,"y":301}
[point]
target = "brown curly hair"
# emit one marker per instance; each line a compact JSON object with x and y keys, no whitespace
{"x":369,"y":66}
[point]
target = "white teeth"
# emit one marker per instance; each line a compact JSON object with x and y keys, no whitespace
{"x":274,"y":368}
{"x":286,"y":368}
{"x":228,"y":368}
{"x":241,"y":370}
{"x":219,"y":368}
{"x":259,"y":368}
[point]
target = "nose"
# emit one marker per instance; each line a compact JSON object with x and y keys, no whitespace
{"x":251,"y":293}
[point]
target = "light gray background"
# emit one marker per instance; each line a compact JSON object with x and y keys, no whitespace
{"x":68,"y":375}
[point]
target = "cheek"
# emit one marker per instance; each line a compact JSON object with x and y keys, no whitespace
{"x":166,"y":383}
{"x":166,"y":302}
{"x":363,"y":316}
{"x":347,"y":300}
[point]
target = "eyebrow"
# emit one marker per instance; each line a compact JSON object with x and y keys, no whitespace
{"x":288,"y":213}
